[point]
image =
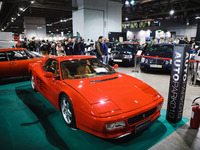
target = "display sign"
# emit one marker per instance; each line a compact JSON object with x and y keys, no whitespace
{"x":178,"y":82}
{"x":132,"y":25}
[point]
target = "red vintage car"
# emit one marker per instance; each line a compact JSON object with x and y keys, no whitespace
{"x":14,"y":62}
{"x":94,"y":97}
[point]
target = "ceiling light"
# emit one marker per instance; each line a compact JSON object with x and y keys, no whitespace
{"x":1,"y":5}
{"x":197,"y":17}
{"x":56,"y":29}
{"x":171,"y":12}
{"x":132,"y":2}
{"x":126,"y":2}
{"x":126,"y":19}
{"x":32,"y":2}
{"x":21,"y":9}
{"x":2,"y":29}
{"x":18,"y":14}
{"x":188,"y":23}
{"x":49,"y":31}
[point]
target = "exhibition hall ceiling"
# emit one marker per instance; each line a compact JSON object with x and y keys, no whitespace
{"x":58,"y":13}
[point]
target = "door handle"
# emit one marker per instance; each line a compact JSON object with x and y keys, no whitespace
{"x":12,"y":63}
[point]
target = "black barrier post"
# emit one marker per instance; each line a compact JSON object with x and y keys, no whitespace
{"x":196,"y":71}
{"x":178,"y":82}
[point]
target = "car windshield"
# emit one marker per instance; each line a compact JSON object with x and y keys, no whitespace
{"x":126,"y":47}
{"x":161,"y":49}
{"x":84,"y":68}
{"x":35,"y":54}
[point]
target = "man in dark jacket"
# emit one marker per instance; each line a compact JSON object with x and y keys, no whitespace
{"x":105,"y":50}
{"x":75,"y":47}
{"x":99,"y":49}
{"x":44,"y":48}
{"x":81,"y":47}
{"x":69,"y":45}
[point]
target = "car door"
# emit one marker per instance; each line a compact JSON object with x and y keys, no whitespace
{"x":19,"y":60}
{"x":5,"y":66}
{"x":52,"y":84}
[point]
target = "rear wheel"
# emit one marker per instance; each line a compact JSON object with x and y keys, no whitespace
{"x":67,"y":111}
{"x":33,"y":82}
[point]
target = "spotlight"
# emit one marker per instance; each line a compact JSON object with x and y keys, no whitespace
{"x":18,"y":14}
{"x":2,"y":29}
{"x":126,"y":19}
{"x":132,"y":2}
{"x":171,"y":12}
{"x":32,"y":2}
{"x":21,"y":9}
{"x":197,"y":17}
{"x":126,"y":2}
{"x":188,"y":23}
{"x":56,"y":29}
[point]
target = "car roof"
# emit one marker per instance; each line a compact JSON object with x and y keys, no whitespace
{"x":129,"y":43}
{"x":72,"y":57}
{"x":163,"y":44}
{"x":11,"y":49}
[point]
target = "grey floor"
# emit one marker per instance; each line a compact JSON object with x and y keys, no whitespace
{"x":184,"y":138}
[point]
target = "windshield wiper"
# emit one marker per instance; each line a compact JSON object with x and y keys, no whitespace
{"x":105,"y":72}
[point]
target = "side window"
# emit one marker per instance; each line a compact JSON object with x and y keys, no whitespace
{"x":3,"y":56}
{"x":51,"y":65}
{"x":17,"y":55}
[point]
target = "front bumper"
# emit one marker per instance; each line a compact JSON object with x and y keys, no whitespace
{"x":122,"y":61}
{"x":96,"y":126}
{"x":147,"y":66}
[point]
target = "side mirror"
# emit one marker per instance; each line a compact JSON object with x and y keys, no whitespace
{"x":49,"y":75}
{"x":115,"y":66}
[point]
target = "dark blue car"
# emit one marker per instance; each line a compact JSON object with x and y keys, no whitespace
{"x":162,"y":57}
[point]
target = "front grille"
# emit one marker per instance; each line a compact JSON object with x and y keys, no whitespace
{"x":141,"y":116}
{"x":158,"y":61}
{"x":118,"y":56}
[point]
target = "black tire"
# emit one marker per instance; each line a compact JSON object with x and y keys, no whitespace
{"x":142,"y":69}
{"x":33,"y":82}
{"x":67,"y":111}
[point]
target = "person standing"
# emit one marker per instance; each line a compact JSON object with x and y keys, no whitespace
{"x":60,"y":50}
{"x":105,"y":51}
{"x":53,"y":48}
{"x":99,"y":48}
{"x":44,"y":48}
{"x":75,"y":47}
{"x":70,"y":45}
{"x":152,"y":42}
{"x":81,"y":47}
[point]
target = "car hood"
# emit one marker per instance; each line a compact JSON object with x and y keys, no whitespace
{"x":122,"y":91}
{"x":123,"y":51}
{"x":156,"y":54}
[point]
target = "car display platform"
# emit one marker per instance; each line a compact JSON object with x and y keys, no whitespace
{"x":29,"y":121}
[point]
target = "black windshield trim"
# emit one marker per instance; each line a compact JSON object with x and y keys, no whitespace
{"x":95,"y":81}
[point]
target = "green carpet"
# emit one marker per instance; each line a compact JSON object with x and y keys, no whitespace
{"x":29,"y":121}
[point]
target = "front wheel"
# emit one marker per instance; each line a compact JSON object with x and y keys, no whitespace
{"x":33,"y":82}
{"x":67,"y":111}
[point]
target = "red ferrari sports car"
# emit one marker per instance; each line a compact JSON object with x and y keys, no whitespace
{"x":94,"y":97}
{"x":14,"y":62}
